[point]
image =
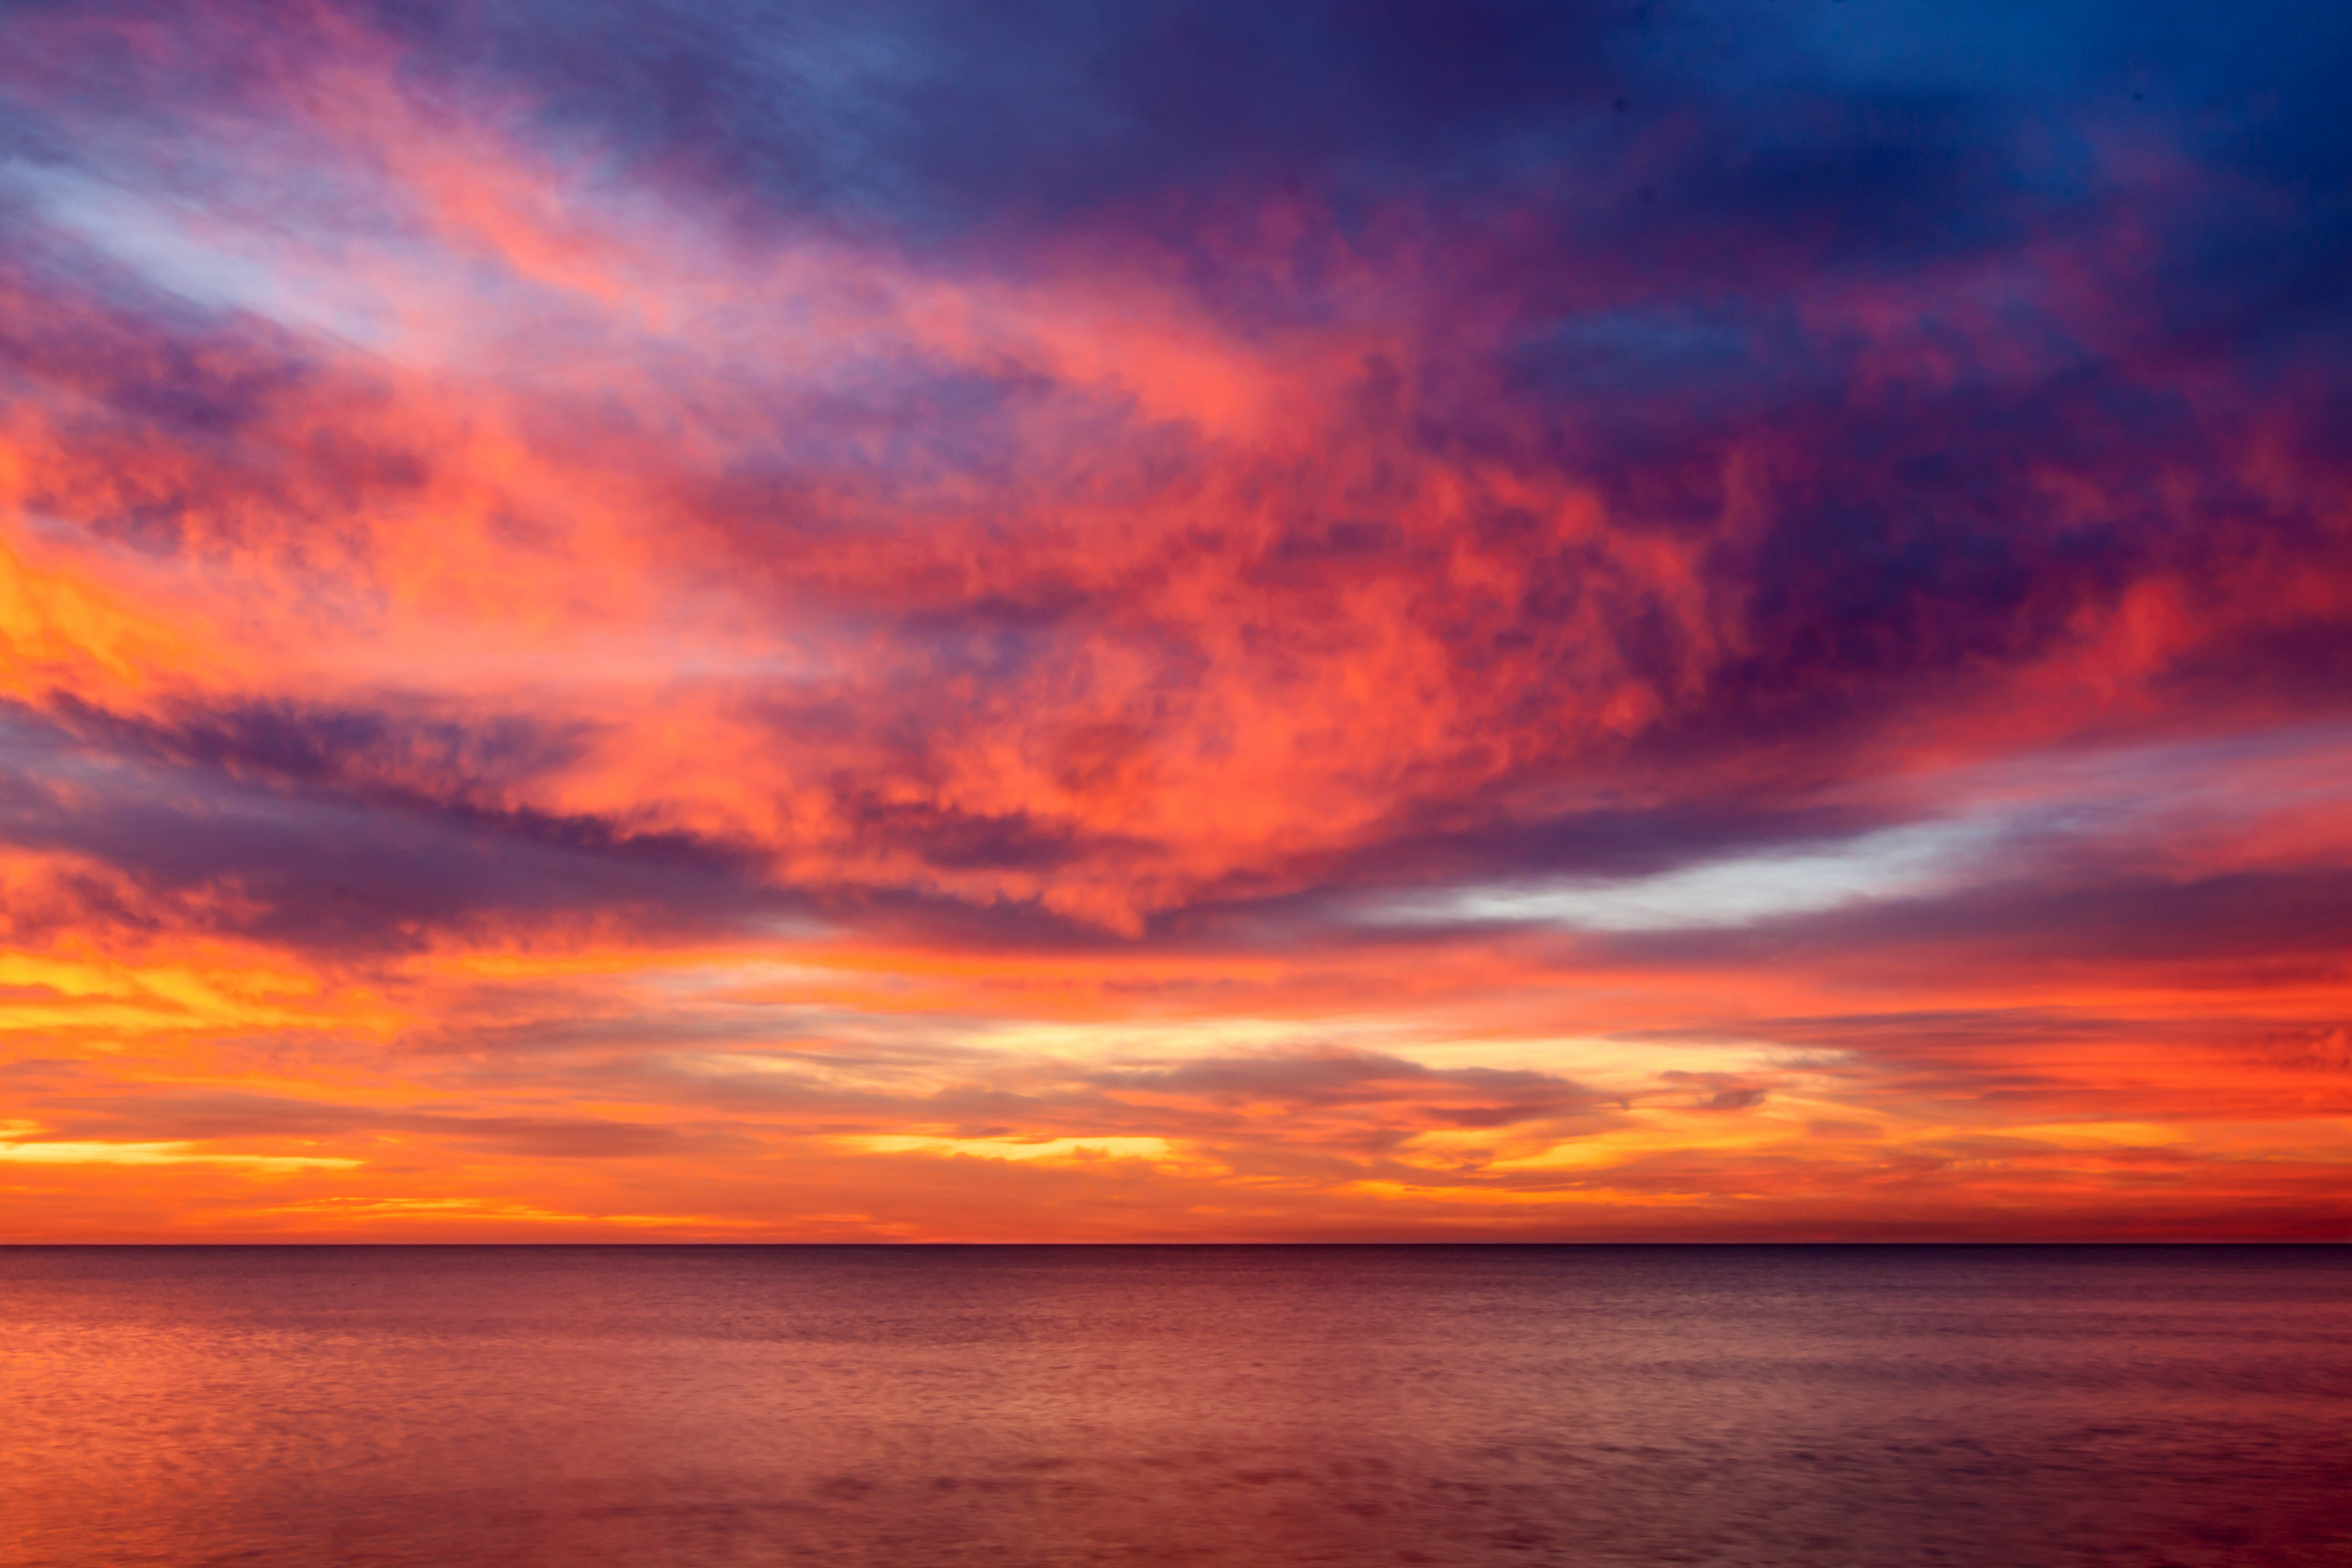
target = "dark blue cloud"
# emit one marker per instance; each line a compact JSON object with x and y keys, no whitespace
{"x":260,"y":826}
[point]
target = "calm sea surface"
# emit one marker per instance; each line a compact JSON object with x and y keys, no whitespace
{"x":1195,"y":1405}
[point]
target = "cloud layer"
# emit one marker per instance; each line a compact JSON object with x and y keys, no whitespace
{"x":1196,"y":621}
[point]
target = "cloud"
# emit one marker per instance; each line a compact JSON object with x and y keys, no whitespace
{"x":1392,"y":610}
{"x":1904,"y":862}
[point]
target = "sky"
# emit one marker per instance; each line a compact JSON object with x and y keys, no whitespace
{"x":899,"y":621}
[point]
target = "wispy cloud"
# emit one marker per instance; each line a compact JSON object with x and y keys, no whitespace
{"x":1233,"y":621}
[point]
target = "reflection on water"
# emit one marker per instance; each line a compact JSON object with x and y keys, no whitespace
{"x":910,"y":1406}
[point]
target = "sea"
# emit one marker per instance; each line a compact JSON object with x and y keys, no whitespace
{"x":650,"y":1407}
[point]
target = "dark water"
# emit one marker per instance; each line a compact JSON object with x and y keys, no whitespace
{"x":650,"y":1407}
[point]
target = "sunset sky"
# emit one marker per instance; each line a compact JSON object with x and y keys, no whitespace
{"x":679,"y":620}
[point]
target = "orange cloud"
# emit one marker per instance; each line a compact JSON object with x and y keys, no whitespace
{"x":548,"y":693}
